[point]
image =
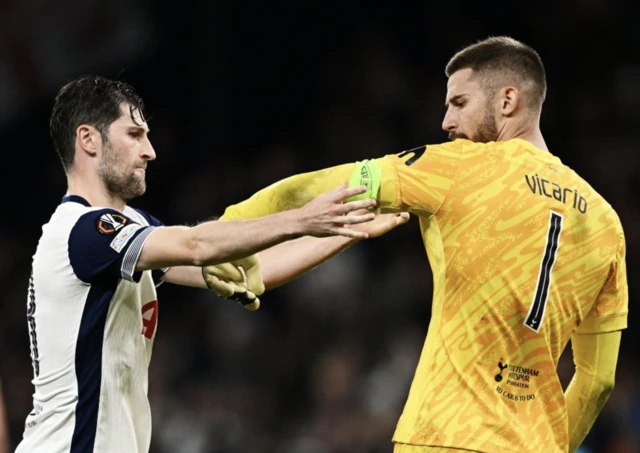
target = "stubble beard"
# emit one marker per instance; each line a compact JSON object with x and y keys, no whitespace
{"x":487,"y":129}
{"x":121,"y":183}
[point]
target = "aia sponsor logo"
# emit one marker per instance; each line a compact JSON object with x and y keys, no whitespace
{"x":149,"y":319}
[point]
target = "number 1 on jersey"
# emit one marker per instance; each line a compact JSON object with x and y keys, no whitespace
{"x":539,"y":303}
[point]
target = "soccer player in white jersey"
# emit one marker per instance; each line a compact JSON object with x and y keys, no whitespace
{"x":92,"y":306}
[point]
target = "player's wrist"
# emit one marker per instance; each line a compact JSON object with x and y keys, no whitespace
{"x":347,"y":241}
{"x":293,"y":223}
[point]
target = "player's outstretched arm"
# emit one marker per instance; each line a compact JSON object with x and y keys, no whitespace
{"x":219,"y":242}
{"x":242,"y":280}
{"x":416,"y":181}
{"x":289,"y":193}
{"x":595,"y":357}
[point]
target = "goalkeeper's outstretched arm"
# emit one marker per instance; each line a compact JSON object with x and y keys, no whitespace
{"x":289,"y":193}
{"x":416,"y":181}
{"x":390,"y":180}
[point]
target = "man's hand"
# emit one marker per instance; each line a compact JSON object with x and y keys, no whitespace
{"x":382,"y":224}
{"x":231,"y":281}
{"x":241,"y":280}
{"x":251,"y":267}
{"x":325,"y":215}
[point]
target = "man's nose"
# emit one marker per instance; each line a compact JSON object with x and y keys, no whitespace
{"x":148,"y":153}
{"x":448,"y":123}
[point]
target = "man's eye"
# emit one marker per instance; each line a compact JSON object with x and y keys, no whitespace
{"x":135,"y":134}
{"x":459,"y":104}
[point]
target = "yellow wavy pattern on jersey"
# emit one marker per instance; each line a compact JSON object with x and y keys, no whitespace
{"x":404,"y":448}
{"x":485,"y":381}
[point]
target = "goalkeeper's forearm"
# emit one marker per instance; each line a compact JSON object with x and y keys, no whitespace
{"x":289,"y":193}
{"x":595,"y":357}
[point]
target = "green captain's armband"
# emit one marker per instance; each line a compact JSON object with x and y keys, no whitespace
{"x":369,"y":174}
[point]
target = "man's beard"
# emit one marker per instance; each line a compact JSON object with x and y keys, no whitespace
{"x":124,"y":186}
{"x":487,"y":129}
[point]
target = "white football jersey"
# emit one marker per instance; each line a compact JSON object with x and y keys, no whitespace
{"x":92,"y":320}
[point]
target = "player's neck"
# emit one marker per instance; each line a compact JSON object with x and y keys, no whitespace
{"x":92,"y":189}
{"x":530,"y":134}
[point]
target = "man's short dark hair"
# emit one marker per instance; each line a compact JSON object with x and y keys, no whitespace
{"x":90,"y":100}
{"x":499,"y":61}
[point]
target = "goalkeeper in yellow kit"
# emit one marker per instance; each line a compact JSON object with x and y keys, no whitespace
{"x":525,"y":257}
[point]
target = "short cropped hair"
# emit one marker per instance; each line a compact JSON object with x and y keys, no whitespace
{"x":90,"y":100}
{"x":499,"y":61}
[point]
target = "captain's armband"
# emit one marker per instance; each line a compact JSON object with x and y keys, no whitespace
{"x":369,"y":174}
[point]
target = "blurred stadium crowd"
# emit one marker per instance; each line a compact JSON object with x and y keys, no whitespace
{"x":241,"y":94}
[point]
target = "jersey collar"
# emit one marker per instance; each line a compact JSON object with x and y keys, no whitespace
{"x":75,"y":199}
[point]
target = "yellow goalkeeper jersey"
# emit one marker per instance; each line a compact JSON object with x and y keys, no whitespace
{"x":524,"y":254}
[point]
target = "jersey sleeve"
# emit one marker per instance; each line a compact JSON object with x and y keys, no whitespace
{"x":595,"y":358}
{"x":420,"y":179}
{"x":417,"y":180}
{"x":104,"y":245}
{"x":609,"y":313}
{"x":156,"y":274}
{"x":289,"y":193}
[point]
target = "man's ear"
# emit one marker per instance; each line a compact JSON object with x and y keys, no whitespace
{"x":88,"y":139}
{"x":510,"y":101}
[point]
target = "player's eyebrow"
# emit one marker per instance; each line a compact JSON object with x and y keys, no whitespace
{"x":139,"y":129}
{"x":454,"y":99}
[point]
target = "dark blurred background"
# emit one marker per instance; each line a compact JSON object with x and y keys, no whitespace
{"x":241,"y":94}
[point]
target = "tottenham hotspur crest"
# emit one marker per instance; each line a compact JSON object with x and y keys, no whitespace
{"x":498,"y":377}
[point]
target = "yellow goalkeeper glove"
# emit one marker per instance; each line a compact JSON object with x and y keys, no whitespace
{"x":239,"y":280}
